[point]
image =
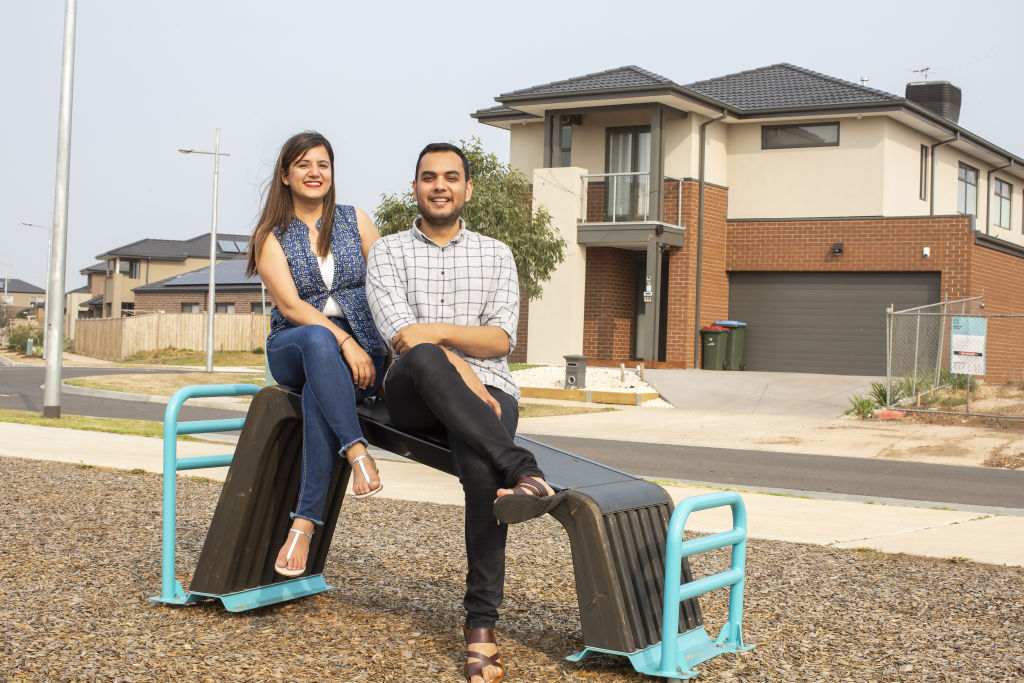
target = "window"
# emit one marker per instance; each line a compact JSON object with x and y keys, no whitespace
{"x":628,"y":153}
{"x":1001,"y":207}
{"x":923,"y":191}
{"x":189,"y":308}
{"x":807,"y":135}
{"x":967,"y":190}
{"x":224,"y":308}
{"x":561,"y":139}
{"x":134,"y":269}
{"x":258,"y":307}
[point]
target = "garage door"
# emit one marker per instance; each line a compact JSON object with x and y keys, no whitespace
{"x":822,"y":322}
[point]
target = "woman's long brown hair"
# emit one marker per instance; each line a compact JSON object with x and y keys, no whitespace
{"x":278,"y":210}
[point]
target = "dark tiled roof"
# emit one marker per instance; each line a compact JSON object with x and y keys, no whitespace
{"x":784,"y":86}
{"x":502,"y":111}
{"x":228,"y":273}
{"x":101,"y":267}
{"x":95,"y":301}
{"x":16,"y":286}
{"x":84,"y":289}
{"x":621,"y":77}
{"x":172,"y":250}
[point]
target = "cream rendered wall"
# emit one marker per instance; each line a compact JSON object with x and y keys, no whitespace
{"x":807,"y":182}
{"x":902,"y":171}
{"x":716,"y":153}
{"x":556,"y":318}
{"x":526,"y":146}
{"x":681,"y":145}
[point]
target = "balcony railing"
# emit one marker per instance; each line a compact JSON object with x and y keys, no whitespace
{"x":623,"y":197}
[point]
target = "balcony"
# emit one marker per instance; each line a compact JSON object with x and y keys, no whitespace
{"x":616,"y":210}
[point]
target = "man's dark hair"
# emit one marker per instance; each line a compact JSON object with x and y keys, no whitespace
{"x":442,"y":147}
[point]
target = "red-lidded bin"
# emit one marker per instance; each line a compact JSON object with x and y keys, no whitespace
{"x":713,"y":341}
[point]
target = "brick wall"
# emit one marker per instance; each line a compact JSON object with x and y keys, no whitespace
{"x":609,"y":303}
{"x":869,"y":245}
{"x":150,"y":302}
{"x":1001,"y":277}
{"x":518,"y":354}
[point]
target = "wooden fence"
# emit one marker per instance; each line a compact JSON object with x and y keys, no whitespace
{"x":120,"y":338}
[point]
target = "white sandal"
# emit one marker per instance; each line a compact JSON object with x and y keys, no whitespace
{"x":284,"y":571}
{"x":366,"y":476}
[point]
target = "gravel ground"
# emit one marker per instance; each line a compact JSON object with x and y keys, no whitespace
{"x":597,"y":379}
{"x":83,"y":551}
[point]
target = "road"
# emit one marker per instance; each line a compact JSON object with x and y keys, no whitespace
{"x":21,"y":389}
{"x":897,"y":479}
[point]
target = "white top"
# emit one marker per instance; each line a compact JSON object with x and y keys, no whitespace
{"x":331,"y":309}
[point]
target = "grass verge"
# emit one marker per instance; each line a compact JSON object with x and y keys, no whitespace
{"x":161,"y":384}
{"x":550,"y":409}
{"x":91,"y":424}
{"x":188,"y":357}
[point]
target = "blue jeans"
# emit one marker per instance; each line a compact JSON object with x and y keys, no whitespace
{"x":307,"y":359}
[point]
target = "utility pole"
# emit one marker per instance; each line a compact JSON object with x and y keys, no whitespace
{"x":54,"y":342}
{"x":211,"y":300}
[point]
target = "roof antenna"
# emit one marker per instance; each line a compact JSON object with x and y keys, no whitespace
{"x":864,"y":81}
{"x":923,"y":71}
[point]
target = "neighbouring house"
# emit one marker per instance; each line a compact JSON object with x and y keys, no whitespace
{"x":19,"y":295}
{"x":149,"y":260}
{"x":799,"y":203}
{"x":188,"y":292}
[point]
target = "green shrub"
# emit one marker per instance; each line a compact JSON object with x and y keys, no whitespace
{"x":258,"y":351}
{"x":877,"y":393}
{"x":862,"y":406}
{"x":20,"y":336}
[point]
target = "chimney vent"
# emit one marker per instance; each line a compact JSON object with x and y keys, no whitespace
{"x":941,"y":97}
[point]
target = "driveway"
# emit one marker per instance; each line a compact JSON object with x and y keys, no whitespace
{"x":765,"y":393}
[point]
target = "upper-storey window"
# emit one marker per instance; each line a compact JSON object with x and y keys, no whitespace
{"x":922,"y":191}
{"x":967,"y":190}
{"x":1001,"y":205}
{"x":800,"y":135}
{"x":561,"y":148}
{"x":134,"y":270}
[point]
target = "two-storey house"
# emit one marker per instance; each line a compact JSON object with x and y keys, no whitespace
{"x":799,"y":203}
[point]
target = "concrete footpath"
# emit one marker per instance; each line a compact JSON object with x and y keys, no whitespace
{"x":941,"y":533}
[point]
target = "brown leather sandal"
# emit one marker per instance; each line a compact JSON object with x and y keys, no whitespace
{"x":529,"y":499}
{"x":476,"y":666}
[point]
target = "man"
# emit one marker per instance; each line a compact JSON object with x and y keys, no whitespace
{"x":447,"y":300}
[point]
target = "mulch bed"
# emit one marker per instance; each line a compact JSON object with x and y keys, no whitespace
{"x":82,"y":557}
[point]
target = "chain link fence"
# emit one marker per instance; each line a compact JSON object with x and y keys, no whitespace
{"x":928,"y":360}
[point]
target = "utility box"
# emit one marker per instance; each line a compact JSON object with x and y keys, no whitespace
{"x":575,"y":371}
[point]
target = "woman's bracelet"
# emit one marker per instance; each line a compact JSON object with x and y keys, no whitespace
{"x":342,"y":344}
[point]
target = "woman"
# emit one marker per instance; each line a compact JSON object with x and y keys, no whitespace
{"x":311,"y":255}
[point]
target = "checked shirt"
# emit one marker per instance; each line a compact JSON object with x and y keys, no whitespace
{"x":470,"y":281}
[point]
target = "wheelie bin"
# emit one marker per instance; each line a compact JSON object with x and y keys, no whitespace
{"x":734,"y":343}
{"x":713,"y":342}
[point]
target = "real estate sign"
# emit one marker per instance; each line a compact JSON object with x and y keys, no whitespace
{"x":967,"y":346}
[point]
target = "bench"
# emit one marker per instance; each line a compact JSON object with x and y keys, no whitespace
{"x":617,"y":524}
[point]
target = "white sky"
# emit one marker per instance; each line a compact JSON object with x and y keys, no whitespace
{"x":382,"y":79}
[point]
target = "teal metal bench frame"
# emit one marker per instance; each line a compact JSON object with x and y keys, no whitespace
{"x":171,"y":591}
{"x":695,"y":646}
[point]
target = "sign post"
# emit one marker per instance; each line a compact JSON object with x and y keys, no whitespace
{"x":967,"y":349}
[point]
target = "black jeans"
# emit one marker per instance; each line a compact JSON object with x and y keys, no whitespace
{"x":425,"y":393}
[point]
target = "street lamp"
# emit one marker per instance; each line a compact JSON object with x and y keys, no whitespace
{"x":211,"y":300}
{"x":49,"y":245}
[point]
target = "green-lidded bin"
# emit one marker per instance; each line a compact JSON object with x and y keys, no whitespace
{"x":734,"y":343}
{"x":713,"y":339}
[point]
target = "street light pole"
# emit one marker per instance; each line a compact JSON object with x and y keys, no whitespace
{"x":211,"y":298}
{"x":53,"y":344}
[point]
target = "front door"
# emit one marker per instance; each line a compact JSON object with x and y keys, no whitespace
{"x":629,"y":152}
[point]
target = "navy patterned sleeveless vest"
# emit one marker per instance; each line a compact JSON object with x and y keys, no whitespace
{"x":349,"y":287}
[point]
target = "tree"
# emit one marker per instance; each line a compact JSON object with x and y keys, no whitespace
{"x":500,"y":208}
